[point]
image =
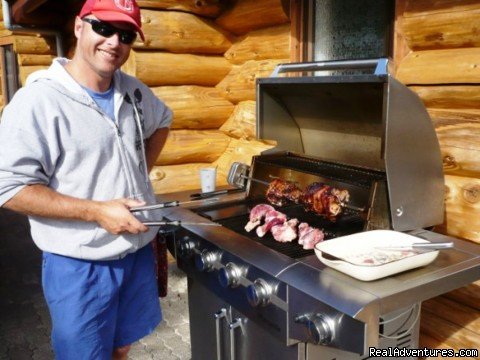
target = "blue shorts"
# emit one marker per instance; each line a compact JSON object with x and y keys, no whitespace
{"x":97,"y":306}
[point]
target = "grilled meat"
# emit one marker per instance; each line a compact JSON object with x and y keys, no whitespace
{"x":324,"y":200}
{"x":279,"y":191}
{"x":318,"y":197}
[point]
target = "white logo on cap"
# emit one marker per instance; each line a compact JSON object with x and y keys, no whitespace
{"x":125,"y":5}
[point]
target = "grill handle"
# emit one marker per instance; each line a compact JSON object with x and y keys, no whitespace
{"x":380,"y":66}
{"x":238,"y":322}
{"x":219,"y":315}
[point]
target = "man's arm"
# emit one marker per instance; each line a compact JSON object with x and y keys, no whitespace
{"x":155,"y":145}
{"x":114,"y":215}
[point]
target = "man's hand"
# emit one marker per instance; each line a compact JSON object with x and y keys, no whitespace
{"x":115,"y":216}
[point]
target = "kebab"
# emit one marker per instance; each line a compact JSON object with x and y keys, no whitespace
{"x":318,"y":197}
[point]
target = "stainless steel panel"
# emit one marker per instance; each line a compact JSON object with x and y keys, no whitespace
{"x":413,"y":161}
{"x":301,"y":304}
{"x":336,"y":119}
{"x":250,"y":341}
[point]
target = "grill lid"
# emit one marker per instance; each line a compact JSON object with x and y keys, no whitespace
{"x":364,"y":120}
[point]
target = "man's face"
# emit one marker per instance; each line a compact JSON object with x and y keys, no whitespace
{"x":102,"y":54}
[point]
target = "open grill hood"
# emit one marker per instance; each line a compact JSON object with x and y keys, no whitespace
{"x":365,"y":121}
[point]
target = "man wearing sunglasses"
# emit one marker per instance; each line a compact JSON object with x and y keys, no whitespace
{"x":76,"y":145}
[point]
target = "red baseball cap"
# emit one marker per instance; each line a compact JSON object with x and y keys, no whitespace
{"x":114,"y":10}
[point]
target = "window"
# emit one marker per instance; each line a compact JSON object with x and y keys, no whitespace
{"x":344,"y":29}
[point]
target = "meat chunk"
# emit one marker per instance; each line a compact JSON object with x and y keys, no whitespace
{"x":256,"y":215}
{"x":285,"y":232}
{"x":318,"y":197}
{"x":324,"y":200}
{"x":272,"y":218}
{"x":280,"y":191}
{"x":309,"y":236}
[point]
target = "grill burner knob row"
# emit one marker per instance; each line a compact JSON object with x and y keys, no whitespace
{"x":205,"y":260}
{"x":259,"y":293}
{"x":229,"y":275}
{"x":186,"y":247}
{"x":320,"y":328}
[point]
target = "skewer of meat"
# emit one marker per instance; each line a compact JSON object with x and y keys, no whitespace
{"x":318,"y":197}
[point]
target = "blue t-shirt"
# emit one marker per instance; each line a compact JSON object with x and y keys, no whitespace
{"x":104,"y":100}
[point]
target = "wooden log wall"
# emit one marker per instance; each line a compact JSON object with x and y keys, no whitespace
{"x":437,"y":55}
{"x":202,"y":58}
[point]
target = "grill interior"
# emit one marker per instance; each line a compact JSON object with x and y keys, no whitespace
{"x":234,"y":216}
{"x":357,"y":176}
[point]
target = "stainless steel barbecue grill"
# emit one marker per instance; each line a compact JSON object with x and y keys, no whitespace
{"x":257,"y":298}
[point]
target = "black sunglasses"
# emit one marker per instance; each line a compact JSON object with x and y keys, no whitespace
{"x":106,"y":30}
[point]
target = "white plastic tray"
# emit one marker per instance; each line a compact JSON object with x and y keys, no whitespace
{"x":348,"y":249}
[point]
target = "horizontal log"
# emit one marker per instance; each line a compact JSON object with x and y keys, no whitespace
{"x":241,"y":150}
{"x":209,"y":8}
{"x":446,"y":333}
{"x":3,"y":30}
{"x":25,"y":71}
{"x":239,"y":84}
{"x":185,"y":146}
{"x":33,"y":59}
{"x":180,"y":32}
{"x":449,"y":27}
{"x":33,"y":44}
{"x":248,"y":15}
{"x":467,"y":295}
{"x":452,"y":66}
{"x":460,"y":149}
{"x":186,"y":176}
{"x":166,"y":179}
{"x":241,"y":124}
{"x":436,"y":7}
{"x":462,"y":208}
{"x":159,"y":68}
{"x":269,"y":43}
{"x":195,"y":107}
{"x":449,"y":96}
{"x":448,"y":117}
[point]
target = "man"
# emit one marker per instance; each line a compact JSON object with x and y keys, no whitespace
{"x":76,"y":145}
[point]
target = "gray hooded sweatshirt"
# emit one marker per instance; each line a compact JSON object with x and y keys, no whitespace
{"x":53,"y":133}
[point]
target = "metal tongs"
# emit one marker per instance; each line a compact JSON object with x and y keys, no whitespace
{"x":172,"y":222}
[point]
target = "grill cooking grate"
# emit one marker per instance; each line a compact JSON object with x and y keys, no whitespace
{"x":340,"y":172}
{"x":235,"y":217}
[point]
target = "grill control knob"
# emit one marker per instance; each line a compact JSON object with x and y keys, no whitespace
{"x":205,"y":260}
{"x":259,"y":293}
{"x":229,"y":275}
{"x":186,"y":247}
{"x":320,"y":329}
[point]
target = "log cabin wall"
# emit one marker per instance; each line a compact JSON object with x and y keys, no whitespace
{"x":202,"y":59}
{"x":437,"y":54}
